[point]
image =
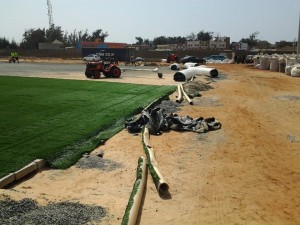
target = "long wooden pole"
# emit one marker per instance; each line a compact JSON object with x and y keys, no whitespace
{"x":298,"y":43}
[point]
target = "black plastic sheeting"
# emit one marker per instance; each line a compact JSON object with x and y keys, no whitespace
{"x":156,"y":121}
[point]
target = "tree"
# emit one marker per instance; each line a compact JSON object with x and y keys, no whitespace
{"x":99,"y":34}
{"x":54,"y":33}
{"x":70,"y":39}
{"x":4,"y":43}
{"x":83,"y":36}
{"x":251,"y":40}
{"x":192,"y":37}
{"x":13,"y":44}
{"x":162,"y":40}
{"x":147,"y":42}
{"x":32,"y":38}
{"x":180,"y":40}
{"x":204,"y":36}
{"x":281,"y":44}
{"x":139,"y":40}
{"x":263,"y":45}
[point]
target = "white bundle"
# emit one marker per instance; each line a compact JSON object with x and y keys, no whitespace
{"x":256,"y":61}
{"x":274,"y":65}
{"x":264,"y":62}
{"x":295,"y":72}
{"x":288,"y":70}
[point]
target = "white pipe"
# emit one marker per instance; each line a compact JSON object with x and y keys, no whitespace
{"x":132,"y":209}
{"x":179,"y":97}
{"x":184,"y":75}
{"x":175,"y":66}
{"x":207,"y":71}
{"x":158,"y":178}
{"x":190,"y":64}
{"x":187,"y":74}
{"x":131,"y":69}
{"x":185,"y":95}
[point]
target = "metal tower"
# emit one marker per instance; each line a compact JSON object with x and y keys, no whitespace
{"x":51,"y":24}
{"x":298,"y":44}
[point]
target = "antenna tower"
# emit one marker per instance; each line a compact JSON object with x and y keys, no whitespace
{"x":51,"y":24}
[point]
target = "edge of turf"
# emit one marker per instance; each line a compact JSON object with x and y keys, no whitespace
{"x":71,"y":154}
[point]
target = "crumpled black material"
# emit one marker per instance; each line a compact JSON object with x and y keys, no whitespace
{"x":156,"y":121}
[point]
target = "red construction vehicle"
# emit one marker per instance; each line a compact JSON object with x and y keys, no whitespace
{"x":94,"y":69}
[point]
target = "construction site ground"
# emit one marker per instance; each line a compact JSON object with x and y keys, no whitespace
{"x":247,"y":172}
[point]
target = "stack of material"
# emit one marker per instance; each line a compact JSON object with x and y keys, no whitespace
{"x":282,"y":64}
{"x":279,"y":63}
{"x":274,"y":64}
{"x":264,"y":62}
{"x":295,"y":72}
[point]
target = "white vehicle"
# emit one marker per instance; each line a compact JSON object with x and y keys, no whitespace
{"x":92,"y":57}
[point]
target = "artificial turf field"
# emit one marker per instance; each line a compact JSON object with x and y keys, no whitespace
{"x":58,"y":120}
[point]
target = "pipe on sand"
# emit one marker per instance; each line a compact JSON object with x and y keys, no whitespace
{"x":179,"y":97}
{"x":134,"y":203}
{"x":187,"y":74}
{"x":158,"y":178}
{"x":185,"y":95}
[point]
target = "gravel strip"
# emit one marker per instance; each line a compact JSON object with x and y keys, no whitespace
{"x":169,"y":106}
{"x":27,"y":211}
{"x":96,"y":162}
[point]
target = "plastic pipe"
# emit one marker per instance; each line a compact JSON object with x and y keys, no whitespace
{"x":158,"y":178}
{"x":185,"y":95}
{"x":175,"y":66}
{"x":190,"y":64}
{"x":134,"y":203}
{"x":187,"y":74}
{"x":207,"y":71}
{"x":100,"y":153}
{"x":184,"y":75}
{"x":179,"y":97}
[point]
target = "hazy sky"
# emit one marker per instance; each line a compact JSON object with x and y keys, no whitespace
{"x":275,"y":20}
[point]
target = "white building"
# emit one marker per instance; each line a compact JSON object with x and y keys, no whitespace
{"x":220,"y":43}
{"x":196,"y":45}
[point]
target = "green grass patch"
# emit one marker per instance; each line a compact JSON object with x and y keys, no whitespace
{"x":59,"y":120}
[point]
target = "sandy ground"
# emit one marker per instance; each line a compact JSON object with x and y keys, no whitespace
{"x":248,"y":172}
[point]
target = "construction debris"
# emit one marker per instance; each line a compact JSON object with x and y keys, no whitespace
{"x":156,"y":121}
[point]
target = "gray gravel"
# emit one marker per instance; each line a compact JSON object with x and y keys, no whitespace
{"x":287,"y":97}
{"x":169,"y":106}
{"x":28,"y":212}
{"x":193,"y":88}
{"x":96,"y":162}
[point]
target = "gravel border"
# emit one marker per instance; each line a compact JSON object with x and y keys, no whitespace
{"x":27,"y":211}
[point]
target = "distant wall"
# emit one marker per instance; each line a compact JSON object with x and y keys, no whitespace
{"x":149,"y":55}
{"x":56,"y":53}
{"x":120,"y":54}
{"x":163,"y":54}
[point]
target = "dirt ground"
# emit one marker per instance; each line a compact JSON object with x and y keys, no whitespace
{"x":248,"y":172}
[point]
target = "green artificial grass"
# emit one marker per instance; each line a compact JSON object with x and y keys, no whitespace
{"x":59,"y":120}
{"x":136,"y":185}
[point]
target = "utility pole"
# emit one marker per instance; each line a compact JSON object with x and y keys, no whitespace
{"x":51,"y":24}
{"x":298,"y":43}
